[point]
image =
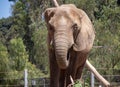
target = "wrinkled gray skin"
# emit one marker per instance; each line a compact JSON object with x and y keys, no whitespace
{"x":70,"y":38}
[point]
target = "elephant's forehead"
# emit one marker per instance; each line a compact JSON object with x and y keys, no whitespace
{"x":62,"y":20}
{"x":63,"y":10}
{"x":62,"y":17}
{"x":66,"y":13}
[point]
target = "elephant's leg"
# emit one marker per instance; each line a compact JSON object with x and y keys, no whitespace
{"x":54,"y":74}
{"x":62,"y":78}
{"x":76,"y":66}
{"x":54,"y":71}
{"x":81,"y":62}
{"x":79,"y":72}
{"x":71,"y":71}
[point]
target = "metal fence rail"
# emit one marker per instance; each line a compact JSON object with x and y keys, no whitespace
{"x":34,"y":82}
{"x":44,"y":82}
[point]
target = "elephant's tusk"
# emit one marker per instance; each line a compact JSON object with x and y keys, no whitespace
{"x":98,"y":76}
{"x":72,"y":81}
{"x":51,"y":42}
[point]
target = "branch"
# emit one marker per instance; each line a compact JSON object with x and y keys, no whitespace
{"x":98,"y":46}
{"x":98,"y":76}
{"x":55,"y":3}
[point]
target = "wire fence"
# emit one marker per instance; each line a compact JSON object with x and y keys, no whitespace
{"x":113,"y":79}
{"x":44,"y":82}
{"x":34,"y":82}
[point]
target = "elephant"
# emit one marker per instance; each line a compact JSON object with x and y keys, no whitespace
{"x":70,"y":38}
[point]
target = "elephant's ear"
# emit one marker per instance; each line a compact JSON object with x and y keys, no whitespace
{"x":49,"y":13}
{"x":85,"y":38}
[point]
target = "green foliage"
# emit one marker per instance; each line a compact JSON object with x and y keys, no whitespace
{"x":19,"y":18}
{"x":34,"y":72}
{"x":18,"y":54}
{"x":40,"y":49}
{"x":4,"y":61}
{"x":77,"y":84}
{"x":5,"y":31}
{"x":87,"y":5}
{"x":18,"y":58}
{"x":107,"y":35}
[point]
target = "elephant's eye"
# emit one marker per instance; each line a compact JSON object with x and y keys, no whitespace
{"x":75,"y":31}
{"x":75,"y":27}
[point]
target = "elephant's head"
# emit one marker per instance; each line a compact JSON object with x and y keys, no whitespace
{"x":68,"y":27}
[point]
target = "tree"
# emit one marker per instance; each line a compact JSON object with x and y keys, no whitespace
{"x":18,"y":55}
{"x":107,"y":24}
{"x":40,"y":51}
{"x":19,"y":60}
{"x":4,"y":63}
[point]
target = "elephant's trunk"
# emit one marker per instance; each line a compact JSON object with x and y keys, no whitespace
{"x":61,"y":49}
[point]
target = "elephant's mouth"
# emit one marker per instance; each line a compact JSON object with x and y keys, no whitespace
{"x":68,"y":54}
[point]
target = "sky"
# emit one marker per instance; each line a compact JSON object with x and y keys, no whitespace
{"x":5,"y":8}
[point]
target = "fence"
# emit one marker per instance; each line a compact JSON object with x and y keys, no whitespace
{"x":44,"y":82}
{"x":35,"y":82}
{"x":24,"y":82}
{"x":113,"y":79}
{"x":93,"y":82}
